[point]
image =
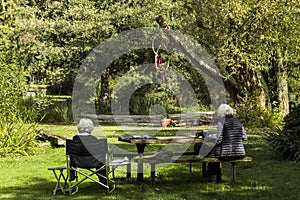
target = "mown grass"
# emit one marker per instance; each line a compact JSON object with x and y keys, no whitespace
{"x":265,"y":178}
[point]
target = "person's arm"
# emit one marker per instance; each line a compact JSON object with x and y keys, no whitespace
{"x":244,"y":133}
{"x":219,"y":133}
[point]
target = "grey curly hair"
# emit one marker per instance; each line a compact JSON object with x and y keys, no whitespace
{"x":85,"y":125}
{"x":224,"y":110}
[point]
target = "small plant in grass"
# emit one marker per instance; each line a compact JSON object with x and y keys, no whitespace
{"x":286,"y":141}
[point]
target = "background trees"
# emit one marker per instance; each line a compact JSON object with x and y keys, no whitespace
{"x":254,"y":43}
{"x":51,"y":38}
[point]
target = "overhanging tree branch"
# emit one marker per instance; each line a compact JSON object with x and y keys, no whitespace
{"x":204,"y":66}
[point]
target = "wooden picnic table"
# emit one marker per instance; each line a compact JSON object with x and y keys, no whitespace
{"x":142,"y":141}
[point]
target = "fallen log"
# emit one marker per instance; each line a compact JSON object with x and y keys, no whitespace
{"x":55,"y":140}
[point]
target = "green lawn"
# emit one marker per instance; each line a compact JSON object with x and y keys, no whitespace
{"x":265,"y":178}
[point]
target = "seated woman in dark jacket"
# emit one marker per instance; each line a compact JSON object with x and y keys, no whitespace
{"x":229,"y":140}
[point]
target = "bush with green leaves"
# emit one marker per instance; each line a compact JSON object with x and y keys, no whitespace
{"x":254,"y":116}
{"x":17,"y":133}
{"x":58,"y":111}
{"x":286,"y":141}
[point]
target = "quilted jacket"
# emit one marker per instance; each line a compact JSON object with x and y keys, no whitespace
{"x":231,"y":134}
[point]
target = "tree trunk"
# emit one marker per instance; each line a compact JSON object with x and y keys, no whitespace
{"x":263,"y":98}
{"x":104,"y":90}
{"x":282,"y":84}
{"x":232,"y":90}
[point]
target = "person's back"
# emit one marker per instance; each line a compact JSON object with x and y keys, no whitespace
{"x":233,"y":134}
{"x":84,"y":138}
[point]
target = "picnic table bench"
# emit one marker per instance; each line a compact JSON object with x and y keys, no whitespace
{"x":153,"y":162}
{"x":127,"y":120}
{"x":192,"y":118}
{"x":133,"y":155}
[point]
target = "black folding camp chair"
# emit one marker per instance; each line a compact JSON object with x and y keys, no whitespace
{"x":87,"y":160}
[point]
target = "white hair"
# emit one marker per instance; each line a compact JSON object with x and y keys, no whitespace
{"x":85,"y":125}
{"x":224,"y":110}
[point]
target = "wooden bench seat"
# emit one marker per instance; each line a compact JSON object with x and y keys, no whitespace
{"x":132,"y":155}
{"x":153,"y":161}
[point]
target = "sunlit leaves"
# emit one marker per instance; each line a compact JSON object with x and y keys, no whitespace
{"x":248,"y":38}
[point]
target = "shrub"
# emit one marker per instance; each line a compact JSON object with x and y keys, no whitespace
{"x":49,"y":109}
{"x":59,"y":111}
{"x":16,"y":136}
{"x":16,"y":132}
{"x":286,"y":141}
{"x":254,"y":116}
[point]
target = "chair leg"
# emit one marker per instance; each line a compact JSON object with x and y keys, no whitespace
{"x":106,"y":182}
{"x":71,"y":186}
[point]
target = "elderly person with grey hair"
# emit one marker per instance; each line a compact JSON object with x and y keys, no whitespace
{"x":85,"y":128}
{"x":229,"y":141}
{"x":230,"y":135}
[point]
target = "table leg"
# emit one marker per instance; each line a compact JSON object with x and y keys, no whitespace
{"x":140,"y":166}
{"x":128,"y":173}
{"x":233,"y":172}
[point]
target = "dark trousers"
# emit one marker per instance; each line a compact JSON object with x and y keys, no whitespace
{"x":214,"y":172}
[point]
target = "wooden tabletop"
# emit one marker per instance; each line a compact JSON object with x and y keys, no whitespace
{"x":168,"y":139}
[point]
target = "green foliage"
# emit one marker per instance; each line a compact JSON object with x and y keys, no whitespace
{"x":248,"y":38}
{"x":51,"y":38}
{"x":16,"y":132}
{"x":294,"y":81}
{"x":146,"y":100}
{"x":252,"y":115}
{"x":50,"y":109}
{"x":126,"y":73}
{"x":286,"y":141}
{"x":16,"y":136}
{"x":58,"y":112}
